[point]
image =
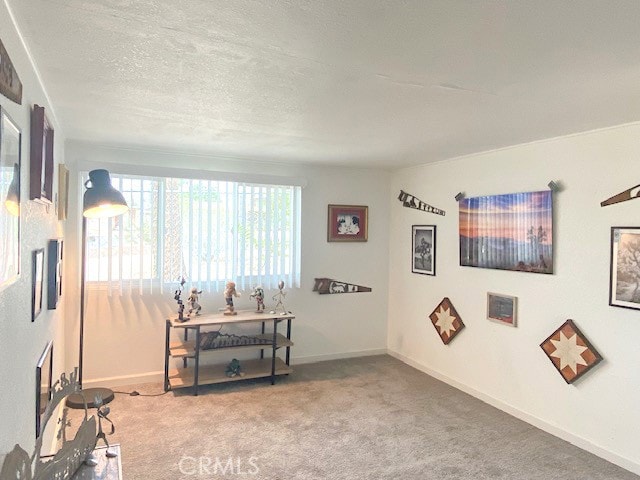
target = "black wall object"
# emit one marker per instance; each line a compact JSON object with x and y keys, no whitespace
{"x":54,"y":273}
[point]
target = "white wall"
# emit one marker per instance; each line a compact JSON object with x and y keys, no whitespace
{"x":505,"y":366}
{"x":125,"y":336}
{"x":21,"y":341}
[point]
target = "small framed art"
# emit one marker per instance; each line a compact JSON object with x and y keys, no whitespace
{"x":63,"y":192}
{"x":44,"y":392}
{"x":347,"y":223}
{"x":54,"y":273}
{"x":624,"y":284}
{"x":502,"y":309}
{"x":37,"y":282}
{"x":41,"y":177}
{"x":423,"y":249}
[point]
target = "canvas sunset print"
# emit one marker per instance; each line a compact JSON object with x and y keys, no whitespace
{"x":508,"y":232}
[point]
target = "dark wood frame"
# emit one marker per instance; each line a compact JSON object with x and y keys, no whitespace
{"x":3,"y":116}
{"x":446,"y":304}
{"x":414,"y":229}
{"x":54,"y":272}
{"x":613,"y":263}
{"x":596,"y":354}
{"x":332,"y":225}
{"x":47,"y":356}
{"x":37,"y":283}
{"x":41,"y":177}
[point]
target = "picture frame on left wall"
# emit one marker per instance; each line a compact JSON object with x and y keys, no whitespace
{"x":37,"y":283}
{"x":41,"y":171}
{"x":10,"y":163}
{"x":44,"y":392}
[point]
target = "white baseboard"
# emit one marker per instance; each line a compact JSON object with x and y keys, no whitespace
{"x":337,"y":356}
{"x":554,"y":430}
{"x":158,"y":377}
{"x":112,"y":382}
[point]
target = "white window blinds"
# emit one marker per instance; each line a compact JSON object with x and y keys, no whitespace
{"x":207,"y":231}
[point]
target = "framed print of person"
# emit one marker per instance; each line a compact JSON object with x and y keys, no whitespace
{"x":423,"y":257}
{"x":347,"y":223}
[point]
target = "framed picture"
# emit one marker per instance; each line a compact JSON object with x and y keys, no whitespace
{"x":423,"y":248}
{"x":63,"y":192}
{"x":44,"y":393}
{"x":41,"y":178}
{"x":10,"y":153}
{"x":624,"y":284}
{"x":54,"y":273}
{"x":10,"y":84}
{"x":502,"y":308}
{"x":508,"y":232}
{"x":347,"y":223}
{"x":37,"y":281}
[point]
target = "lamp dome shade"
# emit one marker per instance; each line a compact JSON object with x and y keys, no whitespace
{"x":100,"y":198}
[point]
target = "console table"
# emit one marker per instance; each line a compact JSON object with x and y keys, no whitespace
{"x":205,"y":340}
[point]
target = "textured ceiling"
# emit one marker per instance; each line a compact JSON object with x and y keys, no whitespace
{"x":361,"y":82}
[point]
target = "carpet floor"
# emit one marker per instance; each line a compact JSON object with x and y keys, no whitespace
{"x":370,"y":418}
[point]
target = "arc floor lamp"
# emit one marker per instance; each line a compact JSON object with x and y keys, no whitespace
{"x":101,"y":200}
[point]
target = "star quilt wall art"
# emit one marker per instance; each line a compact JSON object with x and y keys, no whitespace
{"x":446,"y":321}
{"x":570,"y":352}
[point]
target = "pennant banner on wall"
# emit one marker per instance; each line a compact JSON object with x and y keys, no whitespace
{"x":328,"y":285}
{"x":411,"y":201}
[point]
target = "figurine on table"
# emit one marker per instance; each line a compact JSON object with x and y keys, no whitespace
{"x":234,"y":369}
{"x":103,"y":414}
{"x":258,"y":294}
{"x":229,"y":293}
{"x":280,"y":296}
{"x":193,"y":301}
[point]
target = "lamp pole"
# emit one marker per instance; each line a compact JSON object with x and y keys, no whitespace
{"x":100,"y":200}
{"x":82,"y":294}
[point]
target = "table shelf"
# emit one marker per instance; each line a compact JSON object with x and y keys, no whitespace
{"x":190,"y":350}
{"x":210,"y":374}
{"x":181,"y":349}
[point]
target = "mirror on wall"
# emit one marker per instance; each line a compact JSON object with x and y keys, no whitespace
{"x":10,"y":137}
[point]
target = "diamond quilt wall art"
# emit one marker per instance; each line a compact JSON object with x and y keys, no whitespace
{"x":570,"y":352}
{"x":446,"y":321}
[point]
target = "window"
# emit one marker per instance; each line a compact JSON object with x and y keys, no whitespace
{"x":207,"y":231}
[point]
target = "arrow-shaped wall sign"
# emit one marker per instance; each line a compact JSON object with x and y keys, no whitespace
{"x":630,"y":194}
{"x":329,"y":285}
{"x":410,"y":201}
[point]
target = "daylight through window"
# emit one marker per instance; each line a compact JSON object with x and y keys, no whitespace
{"x":207,"y":231}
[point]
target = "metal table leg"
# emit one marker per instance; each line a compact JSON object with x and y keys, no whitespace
{"x":166,"y":356}
{"x":273,"y":353}
{"x":186,"y":338}
{"x":262,"y":349}
{"x":197,"y":363}
{"x":288,"y":338}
